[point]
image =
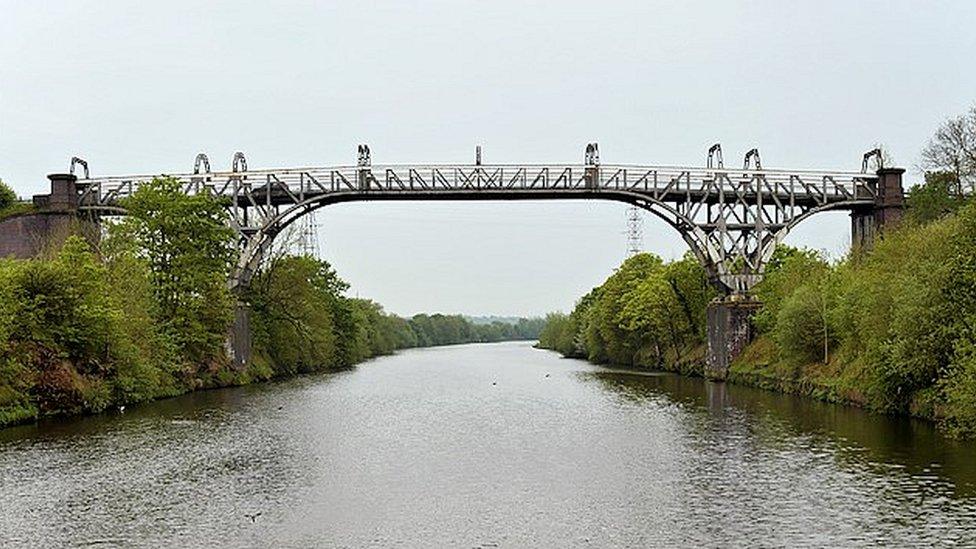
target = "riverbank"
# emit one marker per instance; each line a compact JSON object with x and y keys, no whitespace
{"x":144,"y":312}
{"x":80,"y":333}
{"x":891,"y":329}
{"x":757,"y":367}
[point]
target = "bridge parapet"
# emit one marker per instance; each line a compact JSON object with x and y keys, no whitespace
{"x":810,"y":185}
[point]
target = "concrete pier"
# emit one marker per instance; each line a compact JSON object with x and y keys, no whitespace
{"x":729,"y":331}
{"x":239,"y":339}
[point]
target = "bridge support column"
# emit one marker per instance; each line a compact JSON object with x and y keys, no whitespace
{"x":729,"y":331}
{"x":239,"y":339}
{"x":54,"y":218}
{"x":885,"y":214}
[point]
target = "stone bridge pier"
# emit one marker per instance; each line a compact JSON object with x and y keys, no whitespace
{"x":52,"y":218}
{"x":730,"y":329}
{"x":730,"y":326}
{"x":239,"y":343}
{"x":889,"y":205}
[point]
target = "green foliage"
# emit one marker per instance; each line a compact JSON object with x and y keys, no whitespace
{"x":302,"y":321}
{"x":17,"y":208}
{"x":294,"y":306}
{"x":893,"y":329}
{"x":66,"y":340}
{"x":788,"y":268}
{"x":938,"y":196}
{"x":150,"y":363}
{"x":959,"y":389}
{"x":894,"y":324}
{"x":646,"y":313}
{"x":802,"y":328}
{"x":147,"y":317}
{"x":62,"y":306}
{"x":7,"y":196}
{"x":797,"y":293}
{"x":189,"y":249}
{"x":522,"y":328}
{"x":557,"y":334}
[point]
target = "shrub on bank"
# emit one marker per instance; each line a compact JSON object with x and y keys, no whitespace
{"x":145,"y":317}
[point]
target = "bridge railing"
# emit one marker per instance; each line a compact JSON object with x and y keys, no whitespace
{"x":662,"y":182}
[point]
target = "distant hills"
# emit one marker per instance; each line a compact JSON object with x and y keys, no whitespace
{"x":485,"y":320}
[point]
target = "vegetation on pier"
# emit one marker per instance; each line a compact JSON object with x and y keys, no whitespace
{"x":146,"y":314}
{"x":10,"y":205}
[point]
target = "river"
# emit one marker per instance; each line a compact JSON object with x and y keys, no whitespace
{"x":497,"y":445}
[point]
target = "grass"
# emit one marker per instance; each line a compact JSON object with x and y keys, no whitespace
{"x":17,"y":208}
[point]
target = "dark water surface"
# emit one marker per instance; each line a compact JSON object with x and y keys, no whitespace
{"x":485,"y":446}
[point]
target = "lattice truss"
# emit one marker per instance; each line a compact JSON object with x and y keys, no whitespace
{"x":731,"y":219}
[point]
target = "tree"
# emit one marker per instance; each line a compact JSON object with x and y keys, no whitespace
{"x":7,"y":195}
{"x":646,"y":313}
{"x":787,"y":270}
{"x":189,"y":250}
{"x":557,"y":333}
{"x":953,"y":148}
{"x":689,"y":282}
{"x":935,"y":198}
{"x":294,"y":302}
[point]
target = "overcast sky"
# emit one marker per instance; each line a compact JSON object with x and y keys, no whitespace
{"x":143,"y":86}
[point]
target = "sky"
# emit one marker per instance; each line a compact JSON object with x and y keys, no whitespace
{"x":142,"y":87}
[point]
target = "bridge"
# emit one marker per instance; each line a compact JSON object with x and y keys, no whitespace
{"x":731,"y":218}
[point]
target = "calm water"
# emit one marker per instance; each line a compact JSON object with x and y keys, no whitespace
{"x":485,"y":446}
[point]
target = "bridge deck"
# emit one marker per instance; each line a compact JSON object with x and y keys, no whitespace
{"x":675,"y":184}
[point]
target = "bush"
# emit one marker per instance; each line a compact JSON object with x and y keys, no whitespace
{"x":7,"y":196}
{"x":802,"y":331}
{"x":959,"y":388}
{"x":788,"y":269}
{"x":648,"y":312}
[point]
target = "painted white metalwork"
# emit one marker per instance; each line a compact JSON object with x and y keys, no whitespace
{"x":731,"y":219}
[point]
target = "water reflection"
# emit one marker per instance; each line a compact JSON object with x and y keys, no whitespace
{"x":884,"y":442}
{"x":485,"y":445}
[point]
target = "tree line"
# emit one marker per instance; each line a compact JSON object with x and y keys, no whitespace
{"x":145,"y":313}
{"x":303,"y":322}
{"x":648,"y":313}
{"x":892,"y":328}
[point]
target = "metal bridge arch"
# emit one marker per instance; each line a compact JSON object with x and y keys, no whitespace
{"x":260,"y":242}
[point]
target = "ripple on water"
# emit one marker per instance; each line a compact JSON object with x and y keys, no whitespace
{"x":475,"y":446}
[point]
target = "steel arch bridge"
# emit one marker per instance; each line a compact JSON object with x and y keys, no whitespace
{"x":732,"y":219}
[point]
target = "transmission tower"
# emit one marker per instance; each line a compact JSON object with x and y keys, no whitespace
{"x":308,"y":239}
{"x":635,"y":231}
